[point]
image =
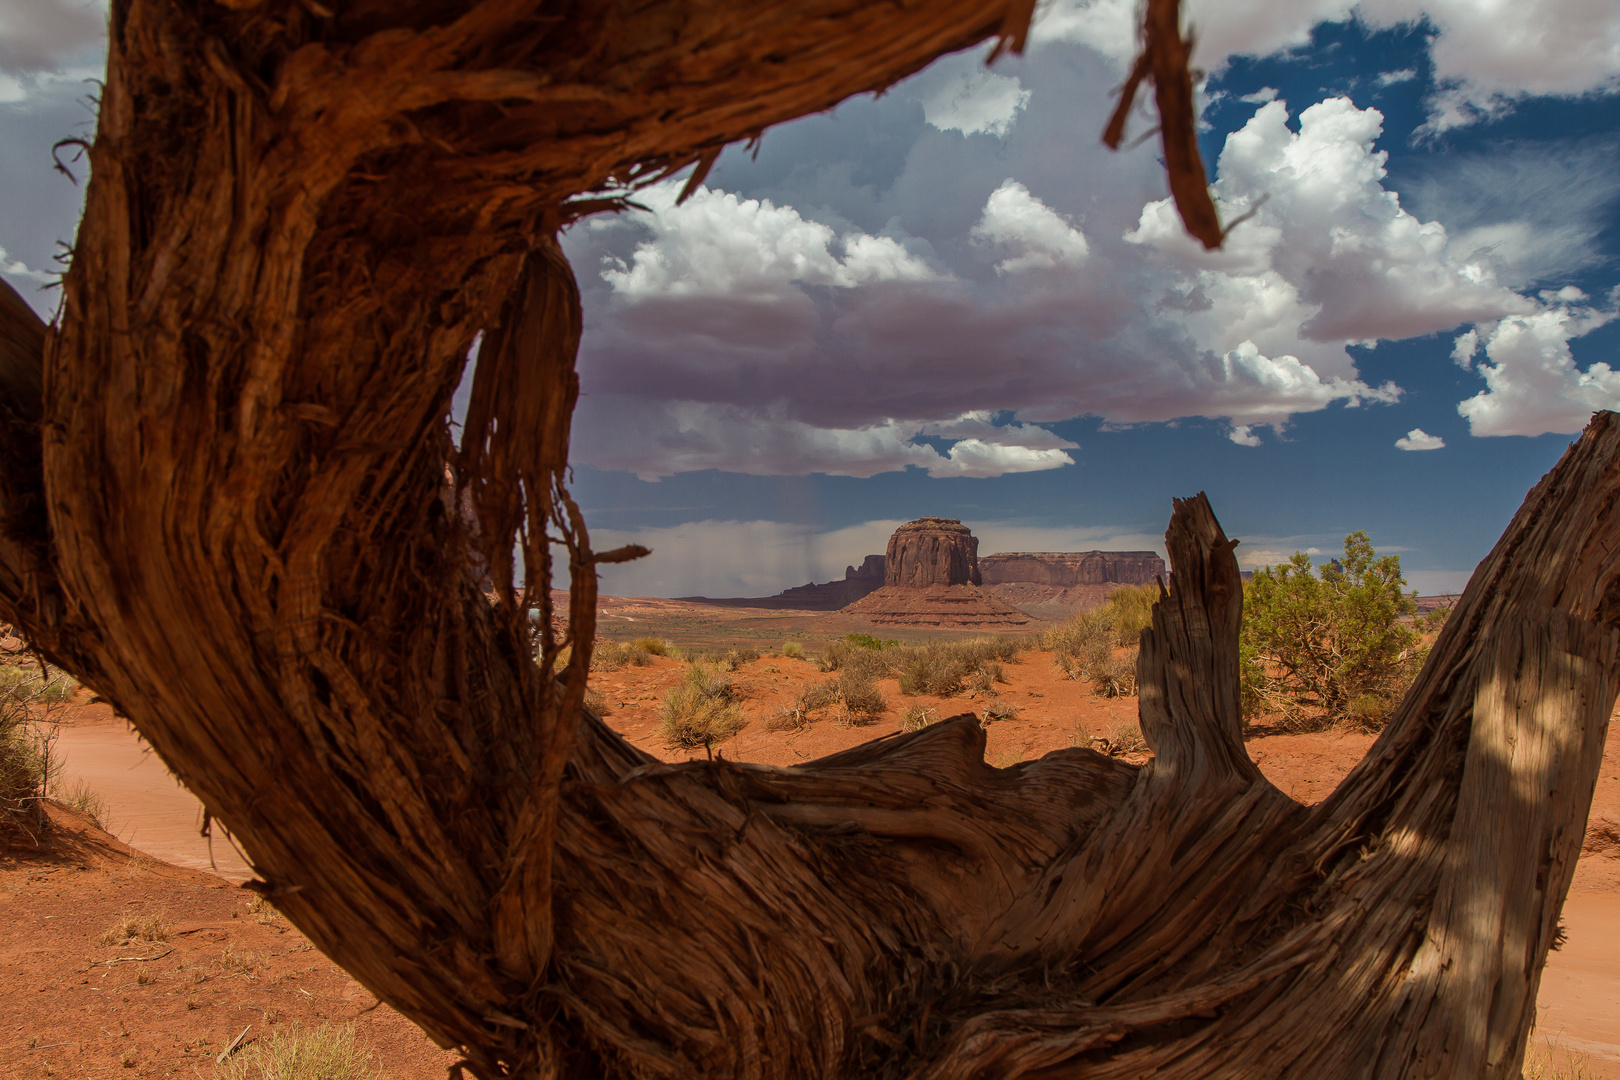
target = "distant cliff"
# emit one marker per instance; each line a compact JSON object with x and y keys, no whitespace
{"x":1065,"y":569}
{"x":859,"y":581}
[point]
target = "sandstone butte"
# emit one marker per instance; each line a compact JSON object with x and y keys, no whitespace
{"x":1048,"y":582}
{"x":931,"y":578}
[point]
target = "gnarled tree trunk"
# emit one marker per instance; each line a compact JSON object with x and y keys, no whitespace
{"x":224,"y":507}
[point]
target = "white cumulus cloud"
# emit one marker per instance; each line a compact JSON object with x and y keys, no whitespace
{"x":1533,"y":385}
{"x":655,"y":439}
{"x":716,"y":244}
{"x":1037,"y":236}
{"x":1486,"y":53}
{"x":959,"y":93}
{"x":1329,"y":244}
{"x":1418,"y":439}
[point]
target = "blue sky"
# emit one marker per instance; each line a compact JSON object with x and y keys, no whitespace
{"x":952,"y":300}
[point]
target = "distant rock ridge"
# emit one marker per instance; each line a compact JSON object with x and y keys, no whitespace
{"x":931,"y":578}
{"x":858,"y":581}
{"x":1065,"y":569}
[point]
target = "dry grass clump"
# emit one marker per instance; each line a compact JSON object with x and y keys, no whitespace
{"x":87,"y":801}
{"x":853,"y":696}
{"x":1124,"y":738}
{"x":859,"y":700}
{"x":727,"y":660}
{"x":702,"y":711}
{"x":1115,"y":677}
{"x":792,"y":650}
{"x":133,"y":928}
{"x":597,"y":702}
{"x":1550,"y":1061}
{"x":613,"y":655}
{"x":943,"y":668}
{"x":918,"y":716}
{"x":235,"y":960}
{"x":984,"y":677}
{"x":327,"y":1052}
{"x":997,"y":709}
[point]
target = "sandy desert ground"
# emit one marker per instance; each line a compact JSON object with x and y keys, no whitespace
{"x":73,"y":1007}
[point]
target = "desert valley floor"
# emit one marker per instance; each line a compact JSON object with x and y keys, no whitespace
{"x":71,"y":1006}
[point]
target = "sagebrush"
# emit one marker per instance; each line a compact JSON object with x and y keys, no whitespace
{"x":1329,"y":645}
{"x":702,"y":711}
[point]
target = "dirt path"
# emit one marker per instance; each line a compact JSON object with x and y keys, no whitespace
{"x":146,"y":807}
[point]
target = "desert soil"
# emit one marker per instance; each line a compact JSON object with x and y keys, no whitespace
{"x":71,"y":1006}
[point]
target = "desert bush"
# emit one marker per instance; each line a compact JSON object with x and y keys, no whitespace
{"x":326,"y":1052}
{"x":732,"y":659}
{"x":1328,"y":647}
{"x":613,"y":655}
{"x":1115,"y":677}
{"x":597,"y":702}
{"x":702,"y":711}
{"x":867,"y":641}
{"x":1083,"y":648}
{"x":859,"y":698}
{"x":792,"y":650}
{"x":853,"y":694}
{"x":917,"y":716}
{"x":653,"y":646}
{"x":1436,"y":618}
{"x":840,"y":655}
{"x":1131,"y":611}
{"x":932,"y":670}
{"x":984,"y":677}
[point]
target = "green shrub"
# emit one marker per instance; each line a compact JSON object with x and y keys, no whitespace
{"x":653,"y":646}
{"x":1329,"y":646}
{"x":792,"y":650}
{"x":296,"y":1053}
{"x":702,"y":711}
{"x":1130,"y":609}
{"x":867,"y":641}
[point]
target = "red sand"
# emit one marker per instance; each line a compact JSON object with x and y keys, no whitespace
{"x":57,"y":986}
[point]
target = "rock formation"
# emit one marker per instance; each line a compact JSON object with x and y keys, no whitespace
{"x":1067,"y":568}
{"x":858,"y":581}
{"x":1054,"y":584}
{"x":931,"y":578}
{"x":932,"y":551}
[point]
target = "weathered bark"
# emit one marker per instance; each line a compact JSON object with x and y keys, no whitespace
{"x":226,"y":514}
